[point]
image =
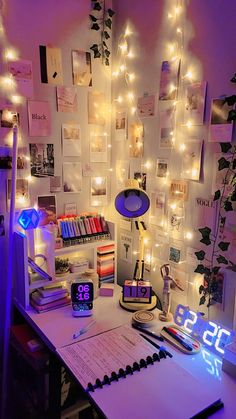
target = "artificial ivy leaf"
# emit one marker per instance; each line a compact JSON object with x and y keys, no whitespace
{"x":221,"y":259}
{"x":107,"y":61}
{"x":225,"y":147}
{"x":224,"y":246}
{"x":105,"y":45}
{"x":209,"y":302}
{"x":201,"y":289}
{"x":97,"y":54}
{"x":106,"y":35}
{"x":97,"y":6}
{"x":110,"y":12}
{"x":230,"y":100}
{"x":233,"y":196}
{"x":216,"y":269}
{"x":206,"y":241}
{"x":93,"y":18}
{"x":202,"y":300}
{"x":200,"y":269}
{"x":228,"y":206}
{"x":95,"y":27}
{"x":94,"y":47}
{"x":200,"y":255}
{"x":207,"y":272}
{"x":234,"y":164}
{"x":223,"y":163}
{"x":106,"y":52}
{"x":231,"y":116}
{"x":217,"y":195}
{"x":205,"y":232}
{"x":108,"y":23}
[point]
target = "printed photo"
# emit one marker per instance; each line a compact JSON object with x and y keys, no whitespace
{"x":72,"y":177}
{"x":179,"y":190}
{"x":169,"y":80}
{"x":157,"y":208}
{"x":98,"y":191}
{"x":191,"y":162}
{"x":21,"y":71}
{"x":6,"y":158}
{"x":175,"y":254}
{"x":22,"y":193}
{"x":141,"y":178}
{"x":220,"y":129}
{"x":98,"y":148}
{"x":71,"y":140}
{"x":8,"y":118}
{"x":120,"y":125}
{"x":162,"y":168}
{"x":136,"y":140}
{"x":39,"y":117}
{"x":167,"y":127}
{"x":176,"y":219}
{"x":122,"y":173}
{"x":51,"y":65}
{"x":218,"y":291}
{"x":81,"y":68}
{"x":67,"y":99}
{"x":47,"y":209}
{"x":146,"y":106}
{"x":42,"y":160}
{"x":55,"y":184}
{"x":126,"y":244}
{"x":195,"y":94}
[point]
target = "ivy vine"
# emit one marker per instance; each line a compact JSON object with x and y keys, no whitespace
{"x":101,"y":20}
{"x":210,"y":291}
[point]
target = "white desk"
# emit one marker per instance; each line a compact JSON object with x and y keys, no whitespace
{"x":56,"y":328}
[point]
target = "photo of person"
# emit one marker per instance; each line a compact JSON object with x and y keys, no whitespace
{"x":81,"y":68}
{"x":47,"y":209}
{"x":169,"y":80}
{"x":141,"y":178}
{"x":162,"y":168}
{"x":42,"y":160}
{"x":220,"y":129}
{"x":195,"y":94}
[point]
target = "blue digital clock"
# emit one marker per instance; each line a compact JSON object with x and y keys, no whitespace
{"x":209,"y":333}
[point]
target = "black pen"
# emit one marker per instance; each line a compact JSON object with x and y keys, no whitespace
{"x":178,"y":339}
{"x":162,"y":348}
{"x":147,"y":332}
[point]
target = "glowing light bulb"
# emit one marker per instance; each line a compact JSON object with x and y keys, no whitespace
{"x":133,"y":110}
{"x":179,"y":30}
{"x":173,"y":206}
{"x":170,"y":16}
{"x":172,"y":48}
{"x":122,"y":68}
{"x":189,"y":235}
{"x":110,"y":170}
{"x":16,"y":99}
{"x":127,"y":31}
{"x":178,"y":10}
{"x":98,"y":180}
{"x":120,"y":99}
{"x":115,"y":74}
{"x":109,"y":145}
{"x":29,"y":178}
{"x":7,"y":82}
{"x":182,"y":147}
{"x":189,"y":124}
{"x":130,"y":96}
{"x":189,"y":75}
{"x":123,"y":47}
{"x":130,"y":54}
{"x":147,"y":165}
{"x":10,"y":54}
{"x":21,"y":199}
{"x":131,"y":77}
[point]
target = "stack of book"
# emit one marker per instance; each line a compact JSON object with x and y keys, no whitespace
{"x":82,"y":229}
{"x":106,"y":263}
{"x":49,"y":298}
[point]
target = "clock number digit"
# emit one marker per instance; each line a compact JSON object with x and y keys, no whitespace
{"x":180,"y":314}
{"x":189,"y":323}
{"x":208,"y":335}
{"x":222,"y":339}
{"x":86,"y":296}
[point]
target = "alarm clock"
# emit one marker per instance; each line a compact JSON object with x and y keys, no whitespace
{"x":82,"y":298}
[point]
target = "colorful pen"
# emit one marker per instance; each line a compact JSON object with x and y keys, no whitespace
{"x":147,"y":332}
{"x":162,"y":348}
{"x":83,"y":329}
{"x":185,"y":338}
{"x":178,"y":339}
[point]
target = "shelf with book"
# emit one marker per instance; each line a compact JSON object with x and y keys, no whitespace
{"x":45,"y":243}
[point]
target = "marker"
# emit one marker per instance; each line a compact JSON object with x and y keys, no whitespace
{"x":147,"y":332}
{"x":178,"y":339}
{"x":161,"y":348}
{"x":83,"y":329}
{"x":175,"y":332}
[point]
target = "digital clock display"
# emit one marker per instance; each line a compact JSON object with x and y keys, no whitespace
{"x":208,"y":332}
{"x":82,"y":292}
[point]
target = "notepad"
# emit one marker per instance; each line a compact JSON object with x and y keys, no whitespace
{"x":160,"y":388}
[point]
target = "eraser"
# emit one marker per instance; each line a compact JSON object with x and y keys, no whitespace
{"x":106,"y":290}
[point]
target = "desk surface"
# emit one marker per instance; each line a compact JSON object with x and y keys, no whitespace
{"x":57,"y":327}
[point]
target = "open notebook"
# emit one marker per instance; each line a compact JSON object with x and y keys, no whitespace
{"x":126,"y":379}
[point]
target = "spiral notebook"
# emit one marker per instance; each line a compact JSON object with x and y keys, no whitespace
{"x":127,"y":378}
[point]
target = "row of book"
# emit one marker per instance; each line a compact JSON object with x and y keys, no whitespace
{"x":49,"y":298}
{"x":106,"y":263}
{"x":82,"y":229}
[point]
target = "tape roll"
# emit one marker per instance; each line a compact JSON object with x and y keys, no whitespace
{"x":143,"y":318}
